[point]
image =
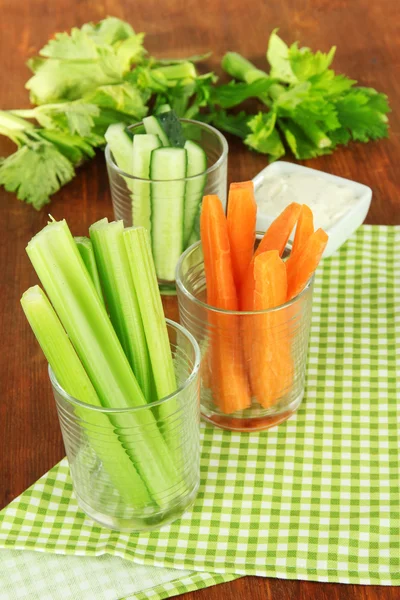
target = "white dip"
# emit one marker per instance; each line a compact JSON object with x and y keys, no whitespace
{"x":327,"y":200}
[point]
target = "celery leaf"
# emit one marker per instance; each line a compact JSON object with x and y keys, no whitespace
{"x":35,"y":172}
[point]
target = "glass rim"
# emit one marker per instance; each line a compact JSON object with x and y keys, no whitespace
{"x":224,"y":311}
{"x":103,"y":409}
{"x":110,"y":161}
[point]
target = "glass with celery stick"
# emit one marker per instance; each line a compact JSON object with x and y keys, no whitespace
{"x":125,"y":380}
{"x":249,"y":309}
{"x":159,"y":170}
{"x":110,"y":492}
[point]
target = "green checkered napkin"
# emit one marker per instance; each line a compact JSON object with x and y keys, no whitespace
{"x":315,"y":498}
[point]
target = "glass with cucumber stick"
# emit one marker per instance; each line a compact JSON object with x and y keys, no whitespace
{"x":137,"y":468}
{"x":159,"y":170}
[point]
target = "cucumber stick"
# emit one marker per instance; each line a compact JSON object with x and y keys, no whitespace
{"x":73,"y":378}
{"x":121,"y":147}
{"x":197,"y":164}
{"x":143,"y":145}
{"x":152,"y":125}
{"x":69,"y":287}
{"x":167,"y":170}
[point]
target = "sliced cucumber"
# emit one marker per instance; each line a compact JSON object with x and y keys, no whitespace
{"x":167,"y":208}
{"x":143,"y":145}
{"x":121,"y":146}
{"x":152,"y":125}
{"x":197,"y":163}
{"x":172,"y":128}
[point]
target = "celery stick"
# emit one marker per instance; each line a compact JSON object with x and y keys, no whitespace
{"x":86,"y":251}
{"x":57,"y":262}
{"x":137,"y":241}
{"x":73,"y":378}
{"x":119,"y":290}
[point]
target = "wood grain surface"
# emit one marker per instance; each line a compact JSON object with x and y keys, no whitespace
{"x":367,"y":36}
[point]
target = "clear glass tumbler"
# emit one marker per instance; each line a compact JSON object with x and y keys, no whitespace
{"x":261,"y":352}
{"x":161,"y":481}
{"x":128,"y":193}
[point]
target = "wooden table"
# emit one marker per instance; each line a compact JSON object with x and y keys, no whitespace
{"x":367,"y":35}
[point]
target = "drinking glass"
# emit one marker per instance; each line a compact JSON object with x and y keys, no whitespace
{"x":263,"y":351}
{"x":127,"y":191}
{"x":109,"y":486}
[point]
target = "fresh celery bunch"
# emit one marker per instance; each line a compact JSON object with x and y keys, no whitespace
{"x":73,"y":378}
{"x":113,"y":264}
{"x":57,"y":261}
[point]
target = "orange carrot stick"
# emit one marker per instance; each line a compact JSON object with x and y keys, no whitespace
{"x":242,"y":213}
{"x":229,"y":380}
{"x":300,"y":269}
{"x":304,"y":228}
{"x":270,"y":364}
{"x":277,"y":234}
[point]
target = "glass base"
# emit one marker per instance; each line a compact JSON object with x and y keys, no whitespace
{"x":138,"y":523}
{"x":250,"y":423}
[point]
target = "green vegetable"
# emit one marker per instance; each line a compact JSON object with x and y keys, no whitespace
{"x":72,"y":377}
{"x":143,"y":145}
{"x":311,"y":108}
{"x":85,"y":248}
{"x":137,"y":243}
{"x":119,"y":290}
{"x":101,"y":74}
{"x":169,"y":166}
{"x":66,"y":281}
{"x":172,"y":127}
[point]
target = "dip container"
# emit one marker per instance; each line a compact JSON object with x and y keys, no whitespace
{"x":341,"y":227}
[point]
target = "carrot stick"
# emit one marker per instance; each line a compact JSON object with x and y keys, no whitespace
{"x":270,"y":364}
{"x":277,"y":234}
{"x":305,"y":262}
{"x":242,"y":213}
{"x":229,"y":380}
{"x":304,"y":228}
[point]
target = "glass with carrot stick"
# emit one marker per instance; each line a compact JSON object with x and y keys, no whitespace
{"x":247,"y":300}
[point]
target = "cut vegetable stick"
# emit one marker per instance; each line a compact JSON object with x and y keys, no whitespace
{"x":242,"y":213}
{"x":270,"y":365}
{"x":301,"y":268}
{"x":86,"y":251}
{"x":138,"y":247}
{"x":60,"y":268}
{"x":217,"y":254}
{"x":119,"y":290}
{"x":73,"y":378}
{"x":304,"y":228}
{"x":277,"y":234}
{"x":229,"y":380}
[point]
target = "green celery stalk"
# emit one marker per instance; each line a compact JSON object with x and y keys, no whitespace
{"x":119,"y":290}
{"x":239,"y":67}
{"x":137,"y":241}
{"x":184,"y":70}
{"x":60,"y":268}
{"x":85,"y":248}
{"x":73,"y":378}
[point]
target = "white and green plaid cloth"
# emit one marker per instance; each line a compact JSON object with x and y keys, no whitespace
{"x":316,"y":498}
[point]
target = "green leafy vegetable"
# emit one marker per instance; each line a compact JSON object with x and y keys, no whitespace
{"x":100,"y":74}
{"x":311,"y":109}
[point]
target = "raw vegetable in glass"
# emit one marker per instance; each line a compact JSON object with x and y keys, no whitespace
{"x":127,"y":406}
{"x":247,"y":301}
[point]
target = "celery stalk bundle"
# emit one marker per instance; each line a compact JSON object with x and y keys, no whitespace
{"x":108,"y":360}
